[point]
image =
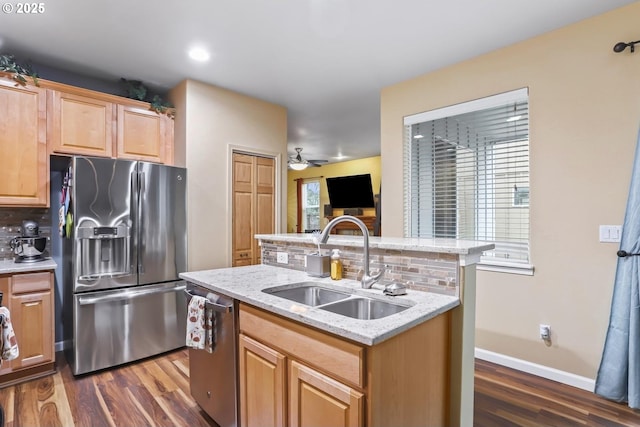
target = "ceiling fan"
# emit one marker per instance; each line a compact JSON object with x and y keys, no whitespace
{"x":296,"y":162}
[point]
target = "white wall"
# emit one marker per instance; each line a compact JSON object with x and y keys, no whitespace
{"x":209,"y":121}
{"x":584,"y":111}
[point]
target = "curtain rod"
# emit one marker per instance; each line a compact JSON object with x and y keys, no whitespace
{"x":308,"y":177}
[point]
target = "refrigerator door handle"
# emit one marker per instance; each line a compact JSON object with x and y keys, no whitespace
{"x":214,"y":306}
{"x":139,"y":219}
{"x":128,"y":295}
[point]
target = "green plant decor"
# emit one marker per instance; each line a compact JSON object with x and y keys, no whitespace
{"x":137,"y":90}
{"x":19,"y":72}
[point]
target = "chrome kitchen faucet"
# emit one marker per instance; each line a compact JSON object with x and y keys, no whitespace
{"x":367,"y":280}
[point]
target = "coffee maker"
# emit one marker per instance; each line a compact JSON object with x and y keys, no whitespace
{"x":29,"y":247}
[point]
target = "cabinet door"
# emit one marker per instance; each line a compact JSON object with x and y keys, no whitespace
{"x":262,"y":385}
{"x":80,"y":124}
{"x":142,"y":134}
{"x":317,"y":400}
{"x":23,"y":145}
{"x":32,"y":318}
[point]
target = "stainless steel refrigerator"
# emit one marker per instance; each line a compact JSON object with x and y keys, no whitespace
{"x":126,"y":245}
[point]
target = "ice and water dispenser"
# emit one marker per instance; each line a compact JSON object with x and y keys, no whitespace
{"x":104,"y":251}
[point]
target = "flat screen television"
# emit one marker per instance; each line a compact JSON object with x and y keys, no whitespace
{"x":350,"y":191}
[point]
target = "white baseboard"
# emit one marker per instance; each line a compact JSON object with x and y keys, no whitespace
{"x":535,"y":369}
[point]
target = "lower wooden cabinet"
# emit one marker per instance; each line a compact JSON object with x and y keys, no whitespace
{"x":318,"y":400}
{"x":29,"y":297}
{"x":278,"y":388}
{"x":262,"y":384}
{"x":297,"y":376}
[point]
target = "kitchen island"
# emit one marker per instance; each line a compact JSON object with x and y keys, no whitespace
{"x":409,"y":368}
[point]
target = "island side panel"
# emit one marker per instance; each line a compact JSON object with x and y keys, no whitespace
{"x":463,"y":326}
{"x":408,"y":377}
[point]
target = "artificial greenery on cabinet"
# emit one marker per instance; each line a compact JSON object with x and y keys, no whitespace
{"x":134,"y":89}
{"x":19,"y":73}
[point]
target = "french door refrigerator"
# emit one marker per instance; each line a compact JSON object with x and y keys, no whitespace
{"x":125,"y":247}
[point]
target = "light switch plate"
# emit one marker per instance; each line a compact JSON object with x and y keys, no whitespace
{"x":610,"y":233}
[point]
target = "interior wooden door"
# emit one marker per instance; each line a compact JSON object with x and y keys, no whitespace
{"x":262,"y":384}
{"x":243,"y":209}
{"x":253,"y":205}
{"x":317,"y":400}
{"x":265,"y":202}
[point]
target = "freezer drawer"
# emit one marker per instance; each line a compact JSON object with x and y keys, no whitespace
{"x":213,"y":375}
{"x":119,"y":326}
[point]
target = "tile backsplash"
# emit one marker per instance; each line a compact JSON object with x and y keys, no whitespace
{"x":11,"y":221}
{"x":423,"y":271}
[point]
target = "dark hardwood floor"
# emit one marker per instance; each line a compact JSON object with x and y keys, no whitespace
{"x":155,"y":392}
{"x":152,"y":392}
{"x":505,"y":397}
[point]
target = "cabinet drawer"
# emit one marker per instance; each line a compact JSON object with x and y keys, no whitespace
{"x":31,"y":282}
{"x":341,"y":359}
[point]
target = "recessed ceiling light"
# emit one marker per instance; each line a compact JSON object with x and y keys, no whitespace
{"x":199,"y":54}
{"x":514,"y":118}
{"x":418,"y":136}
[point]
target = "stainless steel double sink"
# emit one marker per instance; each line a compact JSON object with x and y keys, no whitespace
{"x":340,"y":302}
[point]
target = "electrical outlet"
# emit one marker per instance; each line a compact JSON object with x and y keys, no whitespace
{"x":545,"y":332}
{"x":282,"y":258}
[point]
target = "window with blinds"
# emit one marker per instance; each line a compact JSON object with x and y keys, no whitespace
{"x":467,"y":175}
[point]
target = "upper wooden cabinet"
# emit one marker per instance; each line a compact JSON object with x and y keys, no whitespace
{"x":23,"y":145}
{"x":55,"y":118}
{"x":80,"y":124}
{"x":84,"y":122}
{"x":142,"y":134}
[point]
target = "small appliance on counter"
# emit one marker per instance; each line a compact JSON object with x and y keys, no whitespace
{"x":29,"y":246}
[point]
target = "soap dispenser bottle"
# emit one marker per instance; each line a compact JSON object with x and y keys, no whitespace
{"x":336,"y":265}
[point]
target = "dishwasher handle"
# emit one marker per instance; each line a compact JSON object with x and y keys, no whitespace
{"x":127,"y":295}
{"x":214,"y":306}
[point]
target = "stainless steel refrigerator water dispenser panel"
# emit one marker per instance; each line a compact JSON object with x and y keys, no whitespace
{"x":104,"y":251}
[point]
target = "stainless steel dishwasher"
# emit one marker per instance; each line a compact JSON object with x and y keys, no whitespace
{"x":212,"y":376}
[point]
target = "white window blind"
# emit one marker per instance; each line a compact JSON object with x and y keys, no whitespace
{"x":467,"y":174}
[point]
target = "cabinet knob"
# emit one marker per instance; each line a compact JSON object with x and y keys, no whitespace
{"x":209,"y":394}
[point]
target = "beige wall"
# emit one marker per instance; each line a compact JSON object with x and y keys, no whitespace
{"x":369,"y":165}
{"x":211,"y":120}
{"x":584,"y":112}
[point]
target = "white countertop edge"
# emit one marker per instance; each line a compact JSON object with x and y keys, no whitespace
{"x":226,"y":281}
{"x":10,"y":266}
{"x":451,"y":246}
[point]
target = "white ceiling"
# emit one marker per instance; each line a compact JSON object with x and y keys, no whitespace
{"x":325,"y":60}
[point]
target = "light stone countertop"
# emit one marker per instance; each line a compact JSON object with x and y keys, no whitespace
{"x":246,"y":284}
{"x":10,"y":267}
{"x":450,"y":246}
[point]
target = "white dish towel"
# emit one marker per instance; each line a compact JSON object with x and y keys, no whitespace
{"x":196,"y":323}
{"x":9,"y":345}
